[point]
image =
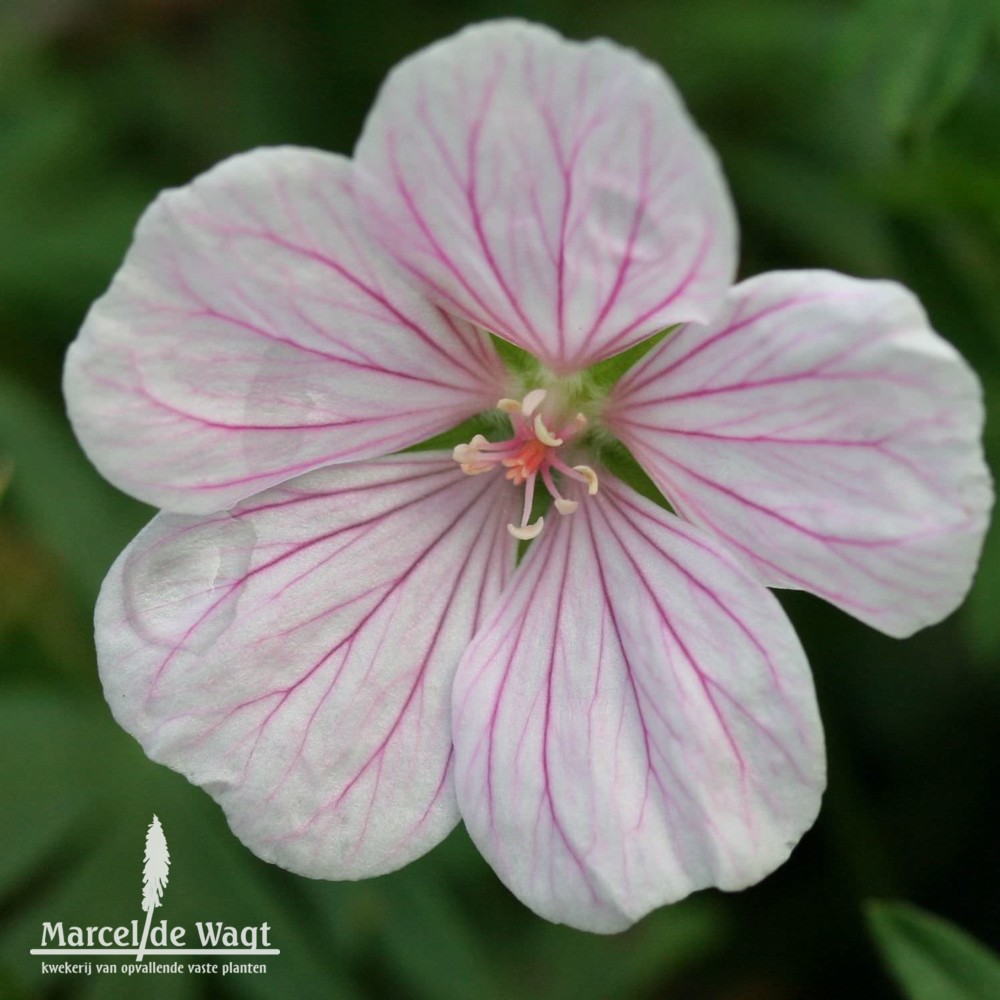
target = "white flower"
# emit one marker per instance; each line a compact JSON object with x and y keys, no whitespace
{"x":336,"y":644}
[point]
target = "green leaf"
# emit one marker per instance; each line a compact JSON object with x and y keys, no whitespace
{"x":922,"y":54}
{"x":980,"y":620}
{"x":978,"y":616}
{"x":489,"y":424}
{"x":618,"y":460}
{"x":605,"y":373}
{"x":813,"y":205}
{"x":432,"y":945}
{"x":48,"y":789}
{"x":78,"y":795}
{"x":56,"y":492}
{"x":517,"y":360}
{"x":929,"y":957}
{"x":634,"y":964}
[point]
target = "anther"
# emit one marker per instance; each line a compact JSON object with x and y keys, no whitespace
{"x":544,"y":434}
{"x":532,"y":401}
{"x":528,"y":455}
{"x":528,"y":531}
{"x":589,"y":477}
{"x":463,"y":453}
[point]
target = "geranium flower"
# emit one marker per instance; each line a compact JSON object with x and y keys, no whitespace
{"x":330,"y":635}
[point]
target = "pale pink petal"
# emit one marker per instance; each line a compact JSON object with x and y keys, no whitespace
{"x":253,"y":333}
{"x":294,"y":656}
{"x":634,"y":721}
{"x":828,"y":436}
{"x":553,"y":192}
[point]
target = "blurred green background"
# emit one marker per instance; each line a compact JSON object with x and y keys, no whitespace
{"x":862,"y":136}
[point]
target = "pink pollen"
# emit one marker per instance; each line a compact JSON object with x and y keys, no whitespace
{"x":527,"y":461}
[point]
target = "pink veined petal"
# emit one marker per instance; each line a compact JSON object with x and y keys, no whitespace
{"x":554,"y":192}
{"x":828,"y":436}
{"x":294,"y":656}
{"x":253,"y":333}
{"x":635,"y":720}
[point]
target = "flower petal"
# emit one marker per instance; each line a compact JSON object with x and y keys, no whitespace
{"x":553,"y":192}
{"x":295,"y":655}
{"x":253,"y":334}
{"x":634,"y":721}
{"x":829,"y":436}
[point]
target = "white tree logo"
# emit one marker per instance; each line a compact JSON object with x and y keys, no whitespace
{"x":155,"y":872}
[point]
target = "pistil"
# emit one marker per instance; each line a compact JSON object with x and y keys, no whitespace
{"x":533,"y":451}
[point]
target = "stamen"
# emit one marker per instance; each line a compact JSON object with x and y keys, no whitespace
{"x":563,"y":505}
{"x":529,"y":499}
{"x":576,"y":425}
{"x":532,"y":401}
{"x":531,"y":452}
{"x":544,"y":434}
{"x":527,"y":533}
{"x":524,"y":531}
{"x":467,"y":452}
{"x":589,"y":477}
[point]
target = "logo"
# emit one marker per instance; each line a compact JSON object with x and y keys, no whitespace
{"x":211,"y":938}
{"x":155,"y":872}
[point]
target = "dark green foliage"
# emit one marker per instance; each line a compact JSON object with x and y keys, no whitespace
{"x":861,"y":136}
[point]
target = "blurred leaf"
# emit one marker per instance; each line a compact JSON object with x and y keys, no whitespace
{"x":979,"y":617}
{"x":633,"y":964}
{"x":726,"y":49}
{"x":979,"y":613}
{"x":10,"y":987}
{"x":66,"y":204}
{"x":85,"y":522}
{"x":49,"y":786}
{"x":945,"y":179}
{"x":101,"y":110}
{"x":68,"y":256}
{"x":36,"y":602}
{"x":431,"y":943}
{"x":23,"y":575}
{"x":810,"y":206}
{"x":444,"y":929}
{"x":78,"y":794}
{"x":922,"y":55}
{"x":931,"y":958}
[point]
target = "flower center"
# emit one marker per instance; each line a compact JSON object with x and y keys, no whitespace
{"x":533,"y":451}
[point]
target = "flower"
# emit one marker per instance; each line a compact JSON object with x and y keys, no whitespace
{"x":331,"y":634}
